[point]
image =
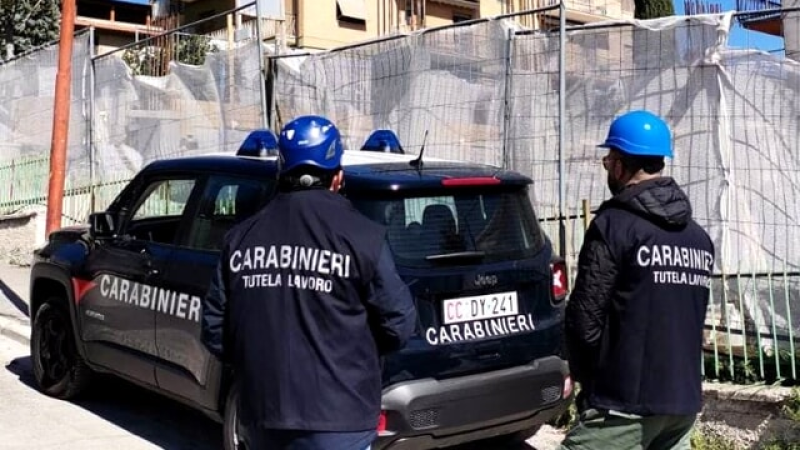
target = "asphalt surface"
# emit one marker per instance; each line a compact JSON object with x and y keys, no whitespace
{"x":113,"y":415}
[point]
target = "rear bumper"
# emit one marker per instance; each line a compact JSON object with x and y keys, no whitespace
{"x":430,"y":413}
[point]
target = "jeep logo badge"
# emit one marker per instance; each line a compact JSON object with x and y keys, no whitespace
{"x":485,"y":280}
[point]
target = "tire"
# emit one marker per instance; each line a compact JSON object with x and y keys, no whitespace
{"x":232,"y":432}
{"x":58,"y":368}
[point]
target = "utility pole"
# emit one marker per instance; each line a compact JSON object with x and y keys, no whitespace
{"x":58,"y":146}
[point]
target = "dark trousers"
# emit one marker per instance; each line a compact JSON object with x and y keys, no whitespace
{"x":261,"y":439}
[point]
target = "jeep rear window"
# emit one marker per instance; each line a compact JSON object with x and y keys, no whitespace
{"x":457,"y":228}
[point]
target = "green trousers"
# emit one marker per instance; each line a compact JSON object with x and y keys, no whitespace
{"x":617,"y":431}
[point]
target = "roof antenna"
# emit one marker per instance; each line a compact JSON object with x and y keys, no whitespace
{"x":418,"y":162}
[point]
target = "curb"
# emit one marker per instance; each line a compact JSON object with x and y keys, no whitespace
{"x":15,"y":328}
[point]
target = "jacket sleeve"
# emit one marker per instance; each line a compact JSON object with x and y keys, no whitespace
{"x":589,"y":303}
{"x":390,"y":306}
{"x":214,"y":314}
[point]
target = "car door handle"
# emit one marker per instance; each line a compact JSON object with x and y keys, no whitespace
{"x":147,"y":263}
{"x":149,"y":268}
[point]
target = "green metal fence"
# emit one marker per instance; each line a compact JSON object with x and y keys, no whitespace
{"x":746,"y":344}
{"x":24,"y":183}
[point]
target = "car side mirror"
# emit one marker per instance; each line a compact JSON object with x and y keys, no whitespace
{"x":102,"y":225}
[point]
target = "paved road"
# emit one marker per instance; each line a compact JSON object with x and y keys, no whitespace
{"x":116,"y":415}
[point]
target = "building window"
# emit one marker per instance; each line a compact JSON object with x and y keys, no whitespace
{"x":353,"y":11}
{"x":461,"y":17}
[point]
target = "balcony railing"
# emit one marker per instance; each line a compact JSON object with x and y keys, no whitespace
{"x":585,"y":11}
{"x":756,"y":6}
{"x":270,"y":29}
{"x":762,"y":15}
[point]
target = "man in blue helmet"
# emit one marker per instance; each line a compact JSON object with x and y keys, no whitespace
{"x":634,"y":321}
{"x":305,"y":301}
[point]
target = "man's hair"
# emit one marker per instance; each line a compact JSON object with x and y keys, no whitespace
{"x":649,"y":164}
{"x":306,"y":177}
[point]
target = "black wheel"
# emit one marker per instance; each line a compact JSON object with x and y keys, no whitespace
{"x":232,"y":431}
{"x":57,"y":366}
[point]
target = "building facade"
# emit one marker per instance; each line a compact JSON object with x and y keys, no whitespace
{"x":324,"y":24}
{"x":116,"y":22}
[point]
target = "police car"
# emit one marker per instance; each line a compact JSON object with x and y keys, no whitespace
{"x":124,"y":295}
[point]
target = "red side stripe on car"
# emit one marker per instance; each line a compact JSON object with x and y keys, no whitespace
{"x":80,"y":287}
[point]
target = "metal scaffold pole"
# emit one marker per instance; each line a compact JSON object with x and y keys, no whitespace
{"x":562,"y":108}
{"x":263,"y":77}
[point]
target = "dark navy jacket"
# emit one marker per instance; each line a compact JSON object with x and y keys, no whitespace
{"x":634,"y":322}
{"x":305,"y":301}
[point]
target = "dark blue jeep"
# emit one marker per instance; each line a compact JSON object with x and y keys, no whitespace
{"x":123,"y":295}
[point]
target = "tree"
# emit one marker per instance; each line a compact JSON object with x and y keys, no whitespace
{"x":28,"y":24}
{"x":153,"y":60}
{"x":651,"y":9}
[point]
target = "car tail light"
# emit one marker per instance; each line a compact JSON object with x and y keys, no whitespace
{"x":558,"y":271}
{"x":382,"y":422}
{"x":471,"y":181}
{"x":567,"y":386}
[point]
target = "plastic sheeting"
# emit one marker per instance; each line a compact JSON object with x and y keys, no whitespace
{"x":484,"y":98}
{"x":488,"y":93}
{"x":27,"y":98}
{"x":192,"y":110}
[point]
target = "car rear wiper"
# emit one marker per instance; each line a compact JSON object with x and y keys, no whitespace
{"x":476,"y":255}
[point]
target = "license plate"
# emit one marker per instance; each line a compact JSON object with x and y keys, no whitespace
{"x":465,"y":309}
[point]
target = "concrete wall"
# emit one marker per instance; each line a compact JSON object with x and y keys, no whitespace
{"x":20,"y":234}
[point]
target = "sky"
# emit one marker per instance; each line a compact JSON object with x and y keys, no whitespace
{"x":740,"y":37}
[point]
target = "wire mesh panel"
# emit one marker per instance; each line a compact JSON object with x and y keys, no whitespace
{"x":449,"y":83}
{"x":27,"y":96}
{"x":761,"y":212}
{"x":205,"y":98}
{"x":610,"y":70}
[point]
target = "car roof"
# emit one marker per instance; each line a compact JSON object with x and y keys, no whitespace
{"x":373,"y":170}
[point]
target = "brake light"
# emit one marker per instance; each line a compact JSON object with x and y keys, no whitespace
{"x":382,"y":422}
{"x":558,"y":271}
{"x":567,"y":386}
{"x":472,"y":181}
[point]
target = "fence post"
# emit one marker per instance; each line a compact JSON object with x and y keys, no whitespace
{"x":90,"y":130}
{"x":507,"y":97}
{"x":262,"y":75}
{"x":562,"y":106}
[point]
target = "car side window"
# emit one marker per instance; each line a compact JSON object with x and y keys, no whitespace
{"x":157,"y":212}
{"x":226,"y":201}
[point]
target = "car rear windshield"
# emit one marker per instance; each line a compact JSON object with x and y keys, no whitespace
{"x":457,"y":228}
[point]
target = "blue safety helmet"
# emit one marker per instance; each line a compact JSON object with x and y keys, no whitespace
{"x":312,"y":141}
{"x":640,"y":133}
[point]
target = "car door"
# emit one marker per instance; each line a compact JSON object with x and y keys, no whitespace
{"x":125,"y":294}
{"x":188,"y":369}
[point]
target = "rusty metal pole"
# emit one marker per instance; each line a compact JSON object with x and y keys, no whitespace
{"x":58,"y":147}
